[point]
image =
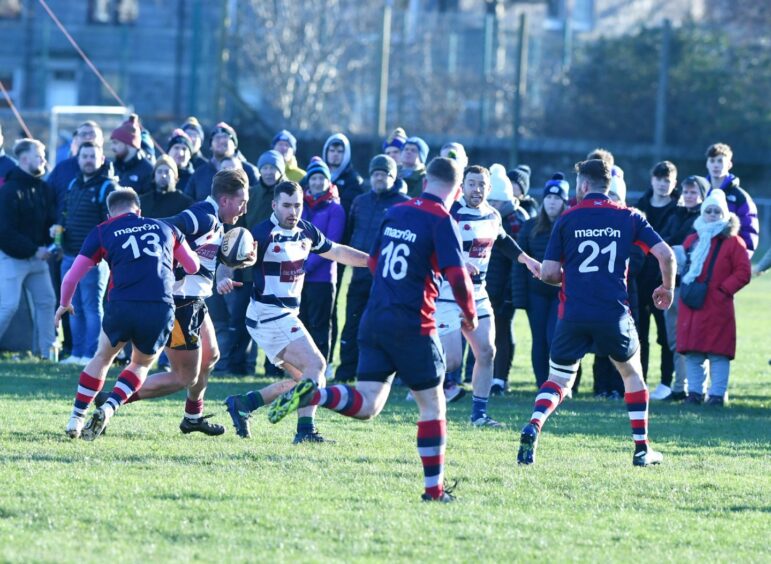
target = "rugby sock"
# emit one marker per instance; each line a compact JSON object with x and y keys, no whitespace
{"x":346,"y":400}
{"x":88,"y":387}
{"x":305,"y":425}
{"x":549,"y":397}
{"x":193,"y":408}
{"x":432,"y":436}
{"x":128,"y":383}
{"x":254,"y":400}
{"x":478,"y":407}
{"x":637,"y":405}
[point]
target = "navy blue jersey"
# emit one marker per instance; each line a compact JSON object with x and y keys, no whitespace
{"x":140,"y":253}
{"x":417,"y":240}
{"x":279,"y":272}
{"x":593,"y":241}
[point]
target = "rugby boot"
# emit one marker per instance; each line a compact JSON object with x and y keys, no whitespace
{"x":647,"y":457}
{"x":96,"y":424}
{"x":292,"y":400}
{"x":201,"y":425}
{"x":239,"y":414}
{"x":528,"y":442}
{"x":74,"y":427}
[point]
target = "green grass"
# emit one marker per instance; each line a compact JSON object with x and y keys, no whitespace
{"x":146,"y":493}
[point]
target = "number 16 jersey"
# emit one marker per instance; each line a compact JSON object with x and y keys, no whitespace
{"x":593,"y":241}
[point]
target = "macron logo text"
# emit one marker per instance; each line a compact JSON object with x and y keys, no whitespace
{"x":604,"y":232}
{"x":403,"y":234}
{"x":138,"y":228}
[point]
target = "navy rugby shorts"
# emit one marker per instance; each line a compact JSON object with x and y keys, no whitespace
{"x":573,"y":339}
{"x":146,"y":325}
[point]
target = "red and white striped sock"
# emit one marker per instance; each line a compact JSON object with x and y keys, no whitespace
{"x":637,"y":406}
{"x":128,"y":383}
{"x":432,"y":437}
{"x":88,"y":387}
{"x":549,"y":397}
{"x":346,"y":400}
{"x":193,"y":408}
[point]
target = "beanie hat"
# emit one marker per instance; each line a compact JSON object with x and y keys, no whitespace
{"x":558,"y":186}
{"x":169,"y":162}
{"x":618,"y":184}
{"x":179,"y":137}
{"x":384,"y":163}
{"x":716,"y":198}
{"x":500,"y":185}
{"x":272,"y":157}
{"x":397,"y":138}
{"x":521,"y":176}
{"x":285,"y":135}
{"x":457,"y":152}
{"x":223,"y":127}
{"x":421,"y":145}
{"x":193,"y":123}
{"x":317,"y":166}
{"x":700,"y":182}
{"x":129,"y":132}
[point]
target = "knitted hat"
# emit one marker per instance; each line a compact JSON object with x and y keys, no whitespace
{"x":285,"y":135}
{"x":397,"y":138}
{"x":700,"y":182}
{"x":421,"y":145}
{"x":384,"y":163}
{"x":521,"y":176}
{"x":169,"y":162}
{"x":317,"y":166}
{"x":223,"y":127}
{"x":558,"y":186}
{"x":193,"y":123}
{"x":500,"y":185}
{"x":618,"y":184}
{"x":179,"y":137}
{"x":129,"y":132}
{"x":272,"y":157}
{"x":716,"y":198}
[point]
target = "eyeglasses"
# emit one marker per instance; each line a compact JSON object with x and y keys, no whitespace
{"x":713,"y":211}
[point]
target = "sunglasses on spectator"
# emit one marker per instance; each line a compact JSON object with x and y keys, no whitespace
{"x":714,"y":211}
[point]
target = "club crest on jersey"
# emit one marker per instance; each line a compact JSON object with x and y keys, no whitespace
{"x":292,"y":270}
{"x":207,"y":251}
{"x":479,"y":248}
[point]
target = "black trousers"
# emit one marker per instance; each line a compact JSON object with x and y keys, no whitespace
{"x":358,"y":294}
{"x":242,"y":351}
{"x":316,"y":308}
{"x":606,"y":377}
{"x":647,"y":309}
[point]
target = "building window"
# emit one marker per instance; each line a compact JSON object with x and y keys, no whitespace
{"x":10,"y":9}
{"x":581,"y":14}
{"x":113,"y":11}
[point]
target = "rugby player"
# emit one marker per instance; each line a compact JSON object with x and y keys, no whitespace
{"x":588,"y":253}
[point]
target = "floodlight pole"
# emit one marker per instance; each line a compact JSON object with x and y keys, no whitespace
{"x":660,"y":132}
{"x":520,"y":84}
{"x":385,"y":52}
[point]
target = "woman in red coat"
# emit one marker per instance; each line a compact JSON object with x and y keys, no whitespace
{"x":709,"y":333}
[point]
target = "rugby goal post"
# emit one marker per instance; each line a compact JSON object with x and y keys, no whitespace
{"x":68,"y":118}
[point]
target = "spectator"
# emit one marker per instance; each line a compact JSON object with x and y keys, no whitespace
{"x":6,"y":163}
{"x":520,"y":183}
{"x":709,"y":332}
{"x":413,"y":171}
{"x":84,"y":209}
{"x":393,"y":145}
{"x":64,"y":171}
{"x":363,"y":223}
{"x":322,"y":208}
{"x":286,"y":144}
{"x":224,"y":143}
{"x":180,"y":148}
{"x":164,"y":200}
{"x":763,"y":265}
{"x":132,"y":167}
{"x":658,"y":204}
{"x":542,"y":300}
{"x":194,"y":130}
{"x":337,"y":156}
{"x":26,"y":214}
{"x":719,"y":163}
{"x":677,"y":228}
{"x":456,"y":151}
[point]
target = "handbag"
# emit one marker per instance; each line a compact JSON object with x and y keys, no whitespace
{"x":695,"y":293}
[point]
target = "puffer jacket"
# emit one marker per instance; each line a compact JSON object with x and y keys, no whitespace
{"x":85,"y":207}
{"x":523,"y":283}
{"x":26,"y":212}
{"x":136,"y":173}
{"x":499,"y":270}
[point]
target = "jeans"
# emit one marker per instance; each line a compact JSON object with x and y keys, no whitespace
{"x":697,"y":369}
{"x":88,"y":302}
{"x":647,"y":309}
{"x":30,"y":275}
{"x":542,"y":316}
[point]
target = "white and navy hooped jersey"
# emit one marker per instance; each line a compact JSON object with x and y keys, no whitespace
{"x":479,"y":229}
{"x":281,"y":254}
{"x":203,"y":230}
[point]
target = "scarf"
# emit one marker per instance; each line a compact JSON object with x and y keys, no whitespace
{"x":330,"y":195}
{"x":705,"y":232}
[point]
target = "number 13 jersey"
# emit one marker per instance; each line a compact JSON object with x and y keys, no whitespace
{"x":593,"y":241}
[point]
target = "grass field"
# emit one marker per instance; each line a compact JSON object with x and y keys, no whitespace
{"x":144,"y":492}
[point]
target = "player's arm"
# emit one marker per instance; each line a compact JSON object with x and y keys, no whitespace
{"x":187,"y":257}
{"x":346,"y":255}
{"x":80,"y":268}
{"x":463,"y":292}
{"x":663,"y":295}
{"x":551,"y":272}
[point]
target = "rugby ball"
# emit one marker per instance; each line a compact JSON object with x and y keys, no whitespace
{"x":236,"y":246}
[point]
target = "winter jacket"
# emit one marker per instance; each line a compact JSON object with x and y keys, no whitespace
{"x":414,"y":180}
{"x":136,"y":173}
{"x":293,"y":172}
{"x":199,"y":185}
{"x":158,"y":203}
{"x":185,"y":174}
{"x":499,"y":271}
{"x":85,"y":207}
{"x":6,"y":165}
{"x":367,"y":213}
{"x":60,"y":179}
{"x":27,"y":210}
{"x":741,"y":204}
{"x":198,"y":160}
{"x":529,"y":205}
{"x":712,"y":329}
{"x":679,"y":225}
{"x":522,"y":282}
{"x":328,"y":216}
{"x":349,"y":182}
{"x":650,"y":275}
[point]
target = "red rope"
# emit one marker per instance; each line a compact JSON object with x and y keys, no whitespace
{"x":15,"y":111}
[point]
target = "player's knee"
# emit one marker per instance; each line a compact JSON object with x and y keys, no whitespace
{"x":486,"y":354}
{"x":453,"y":361}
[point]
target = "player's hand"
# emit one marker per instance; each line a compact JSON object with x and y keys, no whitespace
{"x":42,"y":253}
{"x":251,"y":259}
{"x":662,"y":297}
{"x":60,"y":311}
{"x":473,"y":270}
{"x":226,"y":285}
{"x":532,"y":265}
{"x":469,"y":324}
